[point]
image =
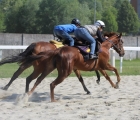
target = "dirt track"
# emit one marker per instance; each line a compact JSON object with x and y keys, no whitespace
{"x":105,"y":102}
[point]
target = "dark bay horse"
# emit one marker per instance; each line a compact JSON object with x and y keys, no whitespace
{"x":34,"y":49}
{"x":67,"y":59}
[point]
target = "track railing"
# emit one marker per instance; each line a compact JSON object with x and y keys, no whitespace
{"x":111,"y":50}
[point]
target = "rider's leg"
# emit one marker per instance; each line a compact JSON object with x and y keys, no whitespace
{"x":84,"y":34}
{"x":67,"y":37}
{"x":57,"y":34}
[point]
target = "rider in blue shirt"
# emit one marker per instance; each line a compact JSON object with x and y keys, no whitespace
{"x":64,"y":31}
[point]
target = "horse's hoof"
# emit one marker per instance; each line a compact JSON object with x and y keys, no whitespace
{"x":88,"y":93}
{"x":4,"y":88}
{"x":54,"y":100}
{"x":117,"y":86}
{"x":98,"y":82}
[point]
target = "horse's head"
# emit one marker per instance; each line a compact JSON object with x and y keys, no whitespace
{"x":117,"y":44}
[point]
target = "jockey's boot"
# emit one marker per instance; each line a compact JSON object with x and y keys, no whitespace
{"x":93,"y":56}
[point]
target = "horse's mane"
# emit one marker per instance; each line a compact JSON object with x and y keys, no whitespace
{"x":109,"y":34}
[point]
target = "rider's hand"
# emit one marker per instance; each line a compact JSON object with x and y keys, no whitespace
{"x":106,"y":37}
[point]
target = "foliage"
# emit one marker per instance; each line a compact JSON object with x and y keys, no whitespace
{"x":127,"y":18}
{"x":117,"y":4}
{"x":27,"y":17}
{"x":74,"y":9}
{"x":49,"y":14}
{"x":110,"y":20}
{"x":2,"y":26}
{"x":21,"y":17}
{"x":11,"y":19}
{"x":40,"y":16}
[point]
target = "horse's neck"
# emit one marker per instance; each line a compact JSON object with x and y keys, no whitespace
{"x":106,"y":45}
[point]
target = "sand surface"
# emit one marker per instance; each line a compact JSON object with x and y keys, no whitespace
{"x":104,"y":102}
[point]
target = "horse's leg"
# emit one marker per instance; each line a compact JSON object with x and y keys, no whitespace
{"x":98,"y":76}
{"x":111,"y":68}
{"x":57,"y":81}
{"x":31,"y":77}
{"x":64,"y":70}
{"x":107,"y":77}
{"x":77,"y":72}
{"x":15,"y":75}
{"x":40,"y":78}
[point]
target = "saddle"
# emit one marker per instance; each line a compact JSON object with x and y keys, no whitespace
{"x":85,"y":49}
{"x":82,"y":45}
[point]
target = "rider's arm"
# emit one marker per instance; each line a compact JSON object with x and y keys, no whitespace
{"x":99,"y":35}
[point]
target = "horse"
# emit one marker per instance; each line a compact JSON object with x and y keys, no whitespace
{"x":34,"y":49}
{"x":68,"y":59}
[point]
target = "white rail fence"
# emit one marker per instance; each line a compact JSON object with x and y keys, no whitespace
{"x":121,"y":58}
{"x":111,"y":50}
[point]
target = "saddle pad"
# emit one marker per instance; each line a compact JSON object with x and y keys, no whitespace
{"x":56,"y":43}
{"x":84,"y":49}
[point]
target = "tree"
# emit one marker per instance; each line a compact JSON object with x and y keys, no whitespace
{"x":54,"y":12}
{"x":27,"y":17}
{"x":110,"y":21}
{"x":128,"y":21}
{"x":101,"y":6}
{"x":21,"y":17}
{"x":2,"y":26}
{"x":5,"y":6}
{"x":74,"y":9}
{"x":48,"y":15}
{"x":11,"y":10}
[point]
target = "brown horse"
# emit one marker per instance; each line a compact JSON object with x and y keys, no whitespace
{"x":66,"y":59}
{"x":34,"y":49}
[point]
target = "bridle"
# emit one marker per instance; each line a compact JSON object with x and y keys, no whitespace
{"x":114,"y":46}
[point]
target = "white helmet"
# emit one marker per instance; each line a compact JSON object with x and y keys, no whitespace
{"x":100,"y":23}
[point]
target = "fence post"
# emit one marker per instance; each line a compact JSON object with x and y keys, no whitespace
{"x":112,"y":57}
{"x":22,"y":40}
{"x":121,"y":61}
{"x":137,"y":51}
{"x":0,"y":55}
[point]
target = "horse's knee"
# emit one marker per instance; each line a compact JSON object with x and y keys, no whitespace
{"x":52,"y":86}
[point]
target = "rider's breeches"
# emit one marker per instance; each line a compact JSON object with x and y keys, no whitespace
{"x":64,"y":35}
{"x":82,"y":33}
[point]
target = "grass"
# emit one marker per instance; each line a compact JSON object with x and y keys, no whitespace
{"x":129,"y":68}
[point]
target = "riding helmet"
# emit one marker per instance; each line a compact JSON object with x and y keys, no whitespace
{"x":75,"y":21}
{"x":100,"y":23}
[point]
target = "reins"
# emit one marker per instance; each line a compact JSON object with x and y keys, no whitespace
{"x":114,"y":45}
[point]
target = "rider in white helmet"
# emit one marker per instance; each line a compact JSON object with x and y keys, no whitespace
{"x":89,"y":33}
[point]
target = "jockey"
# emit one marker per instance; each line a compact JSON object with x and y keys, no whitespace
{"x":63,"y":31}
{"x":88,"y":33}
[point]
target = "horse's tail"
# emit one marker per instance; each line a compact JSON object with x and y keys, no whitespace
{"x":42,"y":55}
{"x":28,"y":51}
{"x":18,"y":58}
{"x":30,"y":59}
{"x":11,"y":59}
